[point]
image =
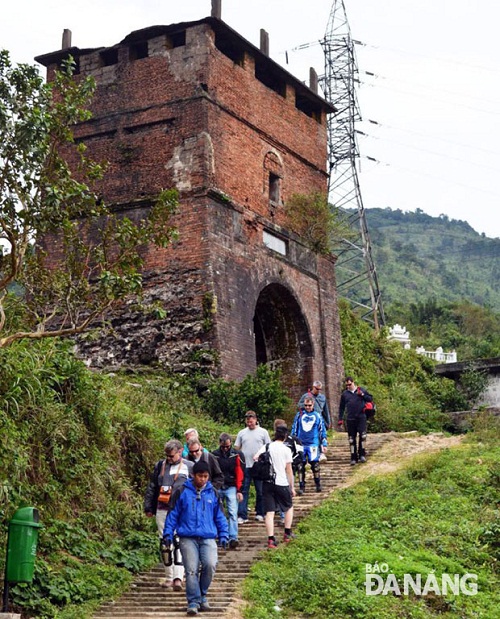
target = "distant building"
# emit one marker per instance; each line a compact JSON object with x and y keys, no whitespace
{"x":400,"y":334}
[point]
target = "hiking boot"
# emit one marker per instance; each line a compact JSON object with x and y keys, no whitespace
{"x":362,"y":459}
{"x":301,"y":489}
{"x":233,"y":544}
{"x":353,"y":461}
{"x":271,"y":543}
{"x":319,"y":488}
{"x":192,"y":609}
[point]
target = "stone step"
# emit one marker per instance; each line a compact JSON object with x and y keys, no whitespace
{"x":146,"y":598}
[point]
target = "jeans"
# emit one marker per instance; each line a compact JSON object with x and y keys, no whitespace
{"x":196,"y":551}
{"x":243,"y":506}
{"x":228,"y":496}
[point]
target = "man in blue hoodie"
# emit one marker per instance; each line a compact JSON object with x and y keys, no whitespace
{"x":198,"y":518}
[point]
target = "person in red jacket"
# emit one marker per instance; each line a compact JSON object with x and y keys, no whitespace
{"x":232,"y":465}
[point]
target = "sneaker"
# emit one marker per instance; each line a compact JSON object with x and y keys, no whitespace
{"x":205,"y":606}
{"x":300,"y":491}
{"x":242,"y":520}
{"x":271,"y":543}
{"x":192,"y":609}
{"x":319,"y":488}
{"x":259,"y":518}
{"x":288,"y":538}
{"x":362,"y":459}
{"x":177,"y":584}
{"x":353,"y":461}
{"x":233,"y":544}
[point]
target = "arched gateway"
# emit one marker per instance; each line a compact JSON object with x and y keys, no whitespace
{"x":282,"y":338}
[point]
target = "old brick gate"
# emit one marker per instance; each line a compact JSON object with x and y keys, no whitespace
{"x":197,"y":107}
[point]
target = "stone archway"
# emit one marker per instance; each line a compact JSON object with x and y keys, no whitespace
{"x":282,"y":338}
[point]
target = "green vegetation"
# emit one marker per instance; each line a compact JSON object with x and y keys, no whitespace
{"x":88,"y":257}
{"x":80,"y":447}
{"x":229,"y":401}
{"x":471,"y":330}
{"x":409,"y":396}
{"x":318,"y":223}
{"x":433,"y":257}
{"x":438,"y":515}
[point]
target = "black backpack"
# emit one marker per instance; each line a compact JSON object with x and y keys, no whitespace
{"x":263,"y":467}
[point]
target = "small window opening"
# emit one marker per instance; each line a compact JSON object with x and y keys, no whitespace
{"x":274,"y":188}
{"x":177,"y":39}
{"x":138,"y":51}
{"x":109,"y":57}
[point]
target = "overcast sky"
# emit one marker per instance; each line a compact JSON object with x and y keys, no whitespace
{"x":429,"y":74}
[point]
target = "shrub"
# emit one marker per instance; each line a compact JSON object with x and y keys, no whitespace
{"x":228,"y":401}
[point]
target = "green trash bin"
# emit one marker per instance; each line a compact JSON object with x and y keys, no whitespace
{"x":21,"y":545}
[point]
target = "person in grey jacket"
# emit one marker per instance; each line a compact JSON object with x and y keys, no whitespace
{"x":320,"y":402}
{"x":169,"y":473}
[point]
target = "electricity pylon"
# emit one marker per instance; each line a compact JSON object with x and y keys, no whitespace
{"x":355,"y":269}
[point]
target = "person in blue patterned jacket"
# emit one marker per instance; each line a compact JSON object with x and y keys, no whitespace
{"x":309,"y":427}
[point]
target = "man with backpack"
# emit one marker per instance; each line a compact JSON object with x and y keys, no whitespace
{"x":352,"y":402}
{"x":278,"y":492}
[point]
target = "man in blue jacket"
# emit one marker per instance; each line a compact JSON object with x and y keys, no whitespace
{"x":309,"y":427}
{"x":198,"y":518}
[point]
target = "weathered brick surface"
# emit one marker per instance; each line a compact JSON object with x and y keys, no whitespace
{"x":187,"y":115}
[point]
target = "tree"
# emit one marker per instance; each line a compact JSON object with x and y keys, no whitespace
{"x":72,"y":257}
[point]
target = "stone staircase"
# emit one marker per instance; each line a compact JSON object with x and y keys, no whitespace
{"x":146,"y":598}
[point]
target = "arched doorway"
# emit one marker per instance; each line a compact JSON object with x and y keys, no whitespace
{"x":282,"y":338}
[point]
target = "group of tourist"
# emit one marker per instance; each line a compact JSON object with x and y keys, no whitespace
{"x":200,"y":498}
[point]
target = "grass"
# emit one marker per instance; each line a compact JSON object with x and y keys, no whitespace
{"x":438,"y":515}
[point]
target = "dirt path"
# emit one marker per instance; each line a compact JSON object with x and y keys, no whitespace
{"x":399,"y":451}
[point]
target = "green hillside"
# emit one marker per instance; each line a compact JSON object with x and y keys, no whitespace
{"x":420,"y":257}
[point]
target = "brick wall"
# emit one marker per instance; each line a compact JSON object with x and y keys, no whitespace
{"x":192,"y":116}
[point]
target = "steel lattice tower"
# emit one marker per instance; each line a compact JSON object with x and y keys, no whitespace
{"x":356,"y":274}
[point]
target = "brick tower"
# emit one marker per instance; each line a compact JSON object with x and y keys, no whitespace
{"x":197,"y":107}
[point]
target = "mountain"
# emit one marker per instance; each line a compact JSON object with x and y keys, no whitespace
{"x":418,"y":257}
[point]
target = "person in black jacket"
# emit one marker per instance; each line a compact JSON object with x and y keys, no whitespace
{"x":352,"y":402}
{"x":232,"y":465}
{"x":197,"y":453}
{"x":168,"y":475}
